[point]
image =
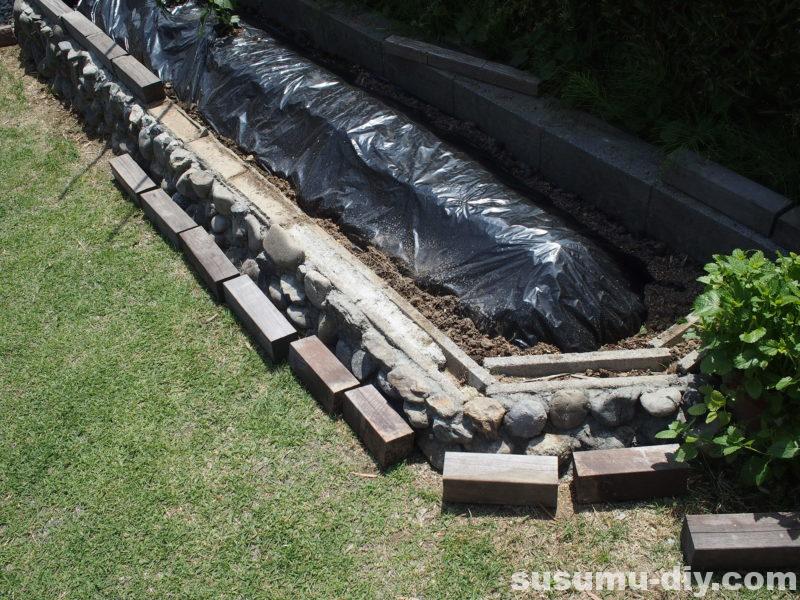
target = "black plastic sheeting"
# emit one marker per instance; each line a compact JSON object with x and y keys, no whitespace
{"x":516,"y":268}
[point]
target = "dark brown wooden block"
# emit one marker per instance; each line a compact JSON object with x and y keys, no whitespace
{"x":144,"y":84}
{"x":80,"y":28}
{"x":385,"y":434}
{"x":321,"y":372}
{"x":131,"y":176}
{"x":500,"y":478}
{"x":170,"y":218}
{"x":748,"y":541}
{"x":7,"y":37}
{"x":52,"y":9}
{"x":208,"y":260}
{"x":105,"y":48}
{"x":263,"y":321}
{"x":628,"y":474}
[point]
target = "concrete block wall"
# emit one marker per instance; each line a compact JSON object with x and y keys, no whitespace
{"x":625,"y":177}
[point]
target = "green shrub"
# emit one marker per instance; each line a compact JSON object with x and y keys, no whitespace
{"x":749,"y":327}
{"x":718,"y":77}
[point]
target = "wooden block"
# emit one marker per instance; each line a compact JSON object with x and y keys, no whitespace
{"x":385,"y":434}
{"x":748,"y":541}
{"x":170,"y":218}
{"x":673,"y":335}
{"x":500,"y":478}
{"x":655,"y":359}
{"x":263,"y":321}
{"x":131,"y":176}
{"x":628,"y":474}
{"x":80,"y":28}
{"x":143,"y":83}
{"x":176,"y":120}
{"x":52,"y":9}
{"x":321,"y":372}
{"x":105,"y":48}
{"x":7,"y":37}
{"x":208,"y":260}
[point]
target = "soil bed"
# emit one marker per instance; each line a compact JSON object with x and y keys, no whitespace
{"x":667,"y":280}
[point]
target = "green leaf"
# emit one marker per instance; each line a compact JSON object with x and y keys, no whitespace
{"x":753,"y":386}
{"x":755,"y":470}
{"x":698,"y":409}
{"x":667,"y":434}
{"x":784,"y":449}
{"x":753,"y":336}
{"x":784,"y":383}
{"x":728,"y":450}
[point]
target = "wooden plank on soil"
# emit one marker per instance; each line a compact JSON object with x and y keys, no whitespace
{"x":131,"y":176}
{"x":144,"y":84}
{"x":385,"y":433}
{"x":628,"y":474}
{"x":321,"y":372}
{"x":654,"y":359}
{"x":170,"y":218}
{"x":768,"y":541}
{"x":500,"y":478}
{"x":673,"y":335}
{"x":7,"y":37}
{"x":260,"y":317}
{"x":208,"y":260}
{"x":105,"y":48}
{"x":52,"y":9}
{"x":79,"y":27}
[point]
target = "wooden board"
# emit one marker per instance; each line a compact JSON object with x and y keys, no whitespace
{"x":143,"y":83}
{"x":80,"y":28}
{"x":131,"y":176}
{"x":52,"y":9}
{"x":628,"y":474}
{"x":105,"y":48}
{"x":655,"y":359}
{"x":170,"y":218}
{"x":385,"y":433}
{"x":263,"y":321}
{"x":321,"y":372}
{"x":7,"y":36}
{"x":208,"y":260}
{"x":768,"y":541}
{"x":500,"y":478}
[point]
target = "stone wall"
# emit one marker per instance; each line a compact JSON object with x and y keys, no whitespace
{"x":5,"y":11}
{"x":322,"y":293}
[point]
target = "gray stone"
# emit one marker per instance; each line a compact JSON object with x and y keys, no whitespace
{"x":254,"y":236}
{"x":615,"y":407}
{"x":223,"y":198}
{"x":145,"y":144}
{"x":525,"y":419}
{"x":568,"y":408}
{"x":251,"y":269}
{"x":553,"y":444}
{"x":382,"y":383}
{"x":451,"y":431}
{"x":317,"y":287}
{"x":160,"y":143}
{"x":435,"y":450}
{"x":219,"y":223}
{"x":485,"y":415}
{"x":594,"y":436}
{"x":648,"y":427}
{"x":201,"y":182}
{"x":327,"y":329}
{"x":299,"y":315}
{"x":443,"y":405}
{"x":362,"y":365}
{"x":180,"y":161}
{"x":343,"y":351}
{"x":275,"y":293}
{"x":416,"y":414}
{"x":409,"y":384}
{"x":661,"y":403}
{"x":494,"y":446}
{"x":135,"y":115}
{"x":292,"y":289}
{"x":282,"y":249}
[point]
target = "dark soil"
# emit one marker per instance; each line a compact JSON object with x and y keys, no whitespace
{"x":668,"y":279}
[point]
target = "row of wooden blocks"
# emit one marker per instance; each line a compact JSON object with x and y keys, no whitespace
{"x":144,"y":84}
{"x":384,"y":432}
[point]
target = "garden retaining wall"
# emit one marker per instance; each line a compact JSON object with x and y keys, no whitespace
{"x":324,"y":290}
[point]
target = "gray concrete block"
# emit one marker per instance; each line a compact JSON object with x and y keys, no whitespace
{"x":607,"y":167}
{"x":52,"y":9}
{"x":355,"y":42}
{"x":511,"y":78}
{"x":407,"y":48}
{"x":741,"y":198}
{"x":513,"y":119}
{"x":787,"y":230}
{"x":654,"y":359}
{"x":426,"y":83}
{"x":690,"y":226}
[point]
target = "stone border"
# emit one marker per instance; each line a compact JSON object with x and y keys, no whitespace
{"x":697,"y":207}
{"x":324,"y":290}
{"x":543,"y":365}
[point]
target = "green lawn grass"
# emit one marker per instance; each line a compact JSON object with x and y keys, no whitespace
{"x":147,"y":450}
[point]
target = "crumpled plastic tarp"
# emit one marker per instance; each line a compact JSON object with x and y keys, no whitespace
{"x":517,"y":269}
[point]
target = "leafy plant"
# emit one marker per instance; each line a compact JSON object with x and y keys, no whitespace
{"x":749,"y":326}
